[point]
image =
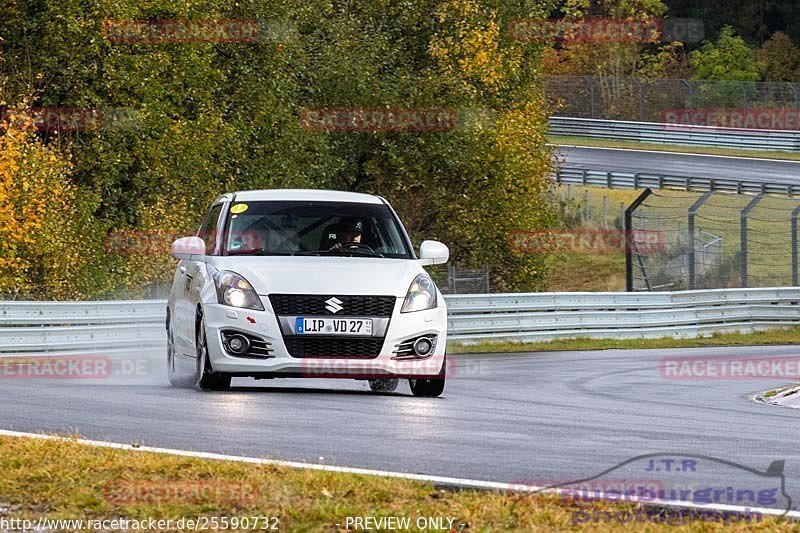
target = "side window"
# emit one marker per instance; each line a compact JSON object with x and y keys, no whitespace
{"x":209,"y":232}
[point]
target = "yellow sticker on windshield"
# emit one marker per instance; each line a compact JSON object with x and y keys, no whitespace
{"x":239,"y":208}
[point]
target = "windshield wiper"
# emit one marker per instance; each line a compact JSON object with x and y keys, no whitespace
{"x":257,"y":251}
{"x":342,"y":251}
{"x":365,"y":253}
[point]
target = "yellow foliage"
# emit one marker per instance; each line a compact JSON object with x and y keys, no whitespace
{"x":42,"y":240}
{"x":472,"y":50}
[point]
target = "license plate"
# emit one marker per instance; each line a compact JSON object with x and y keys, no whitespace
{"x":333,"y":326}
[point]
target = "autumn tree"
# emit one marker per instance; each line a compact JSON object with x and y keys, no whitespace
{"x":723,"y":69}
{"x":48,"y":237}
{"x":220,"y":116}
{"x":726,"y":59}
{"x":614,"y":64}
{"x":612,"y":59}
{"x":781,"y":58}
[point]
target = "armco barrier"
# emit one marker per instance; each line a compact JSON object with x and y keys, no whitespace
{"x":654,"y":132}
{"x":543,"y":316}
{"x":102,"y":327}
{"x":640,"y":180}
{"x":81,"y":327}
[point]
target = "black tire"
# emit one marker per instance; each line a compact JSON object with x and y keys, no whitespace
{"x":176,"y":379}
{"x":206,"y":378}
{"x":383,"y":385}
{"x":431,"y":387}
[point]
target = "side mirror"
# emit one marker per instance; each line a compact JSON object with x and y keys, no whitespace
{"x":433,"y":253}
{"x":186,"y":247}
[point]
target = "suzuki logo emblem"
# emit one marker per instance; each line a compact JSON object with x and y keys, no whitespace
{"x":334,"y":305}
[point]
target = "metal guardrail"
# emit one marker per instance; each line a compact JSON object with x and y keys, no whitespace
{"x":103,"y":327}
{"x":81,"y":327}
{"x":654,"y":132}
{"x":544,"y":316}
{"x":638,"y":180}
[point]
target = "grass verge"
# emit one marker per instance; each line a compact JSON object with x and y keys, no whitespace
{"x":67,"y":480}
{"x":707,"y":150}
{"x":769,"y":337}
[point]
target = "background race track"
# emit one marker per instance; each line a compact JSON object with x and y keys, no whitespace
{"x":679,"y":164}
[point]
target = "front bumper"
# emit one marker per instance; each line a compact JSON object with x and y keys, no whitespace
{"x":264,"y":324}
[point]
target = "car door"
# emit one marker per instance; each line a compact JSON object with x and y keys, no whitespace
{"x":191,"y":277}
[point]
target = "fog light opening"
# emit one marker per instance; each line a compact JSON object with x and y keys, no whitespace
{"x":238,"y":344}
{"x":423,"y":346}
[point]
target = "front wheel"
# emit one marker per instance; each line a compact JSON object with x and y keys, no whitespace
{"x":430,"y":387}
{"x":206,"y":378}
{"x":176,"y":378}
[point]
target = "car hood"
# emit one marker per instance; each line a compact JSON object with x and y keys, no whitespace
{"x":324,"y":275}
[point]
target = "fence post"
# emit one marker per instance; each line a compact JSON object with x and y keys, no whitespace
{"x":627,"y":233}
{"x":744,"y":96}
{"x":793,"y":87}
{"x":590,"y":81}
{"x":692,"y":212}
{"x":743,"y":234}
{"x":641,"y":98}
{"x":586,"y":206}
{"x":605,"y":212}
{"x":690,"y":99}
{"x":622,"y":213}
{"x":451,"y":278}
{"x":795,"y":214}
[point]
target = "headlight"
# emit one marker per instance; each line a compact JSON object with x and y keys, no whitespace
{"x":234,"y":290}
{"x":421,"y":295}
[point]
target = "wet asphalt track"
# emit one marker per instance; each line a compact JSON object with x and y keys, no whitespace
{"x":507,"y":418}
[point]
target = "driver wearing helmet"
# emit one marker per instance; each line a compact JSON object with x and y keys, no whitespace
{"x":348,"y":233}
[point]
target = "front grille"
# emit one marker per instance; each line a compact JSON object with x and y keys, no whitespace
{"x":344,"y":347}
{"x":314,"y":304}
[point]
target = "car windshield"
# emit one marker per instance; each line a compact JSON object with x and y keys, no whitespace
{"x":314,"y":228}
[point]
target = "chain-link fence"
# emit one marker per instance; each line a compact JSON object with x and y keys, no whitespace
{"x":582,"y":207}
{"x":650,"y":100}
{"x":464,"y":280}
{"x":715,"y":240}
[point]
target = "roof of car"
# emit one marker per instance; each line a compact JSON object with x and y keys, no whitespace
{"x":306,"y":194}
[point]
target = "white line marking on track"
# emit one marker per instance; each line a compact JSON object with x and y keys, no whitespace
{"x":448,"y":481}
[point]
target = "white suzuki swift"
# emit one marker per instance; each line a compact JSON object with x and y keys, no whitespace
{"x":305,"y":283}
